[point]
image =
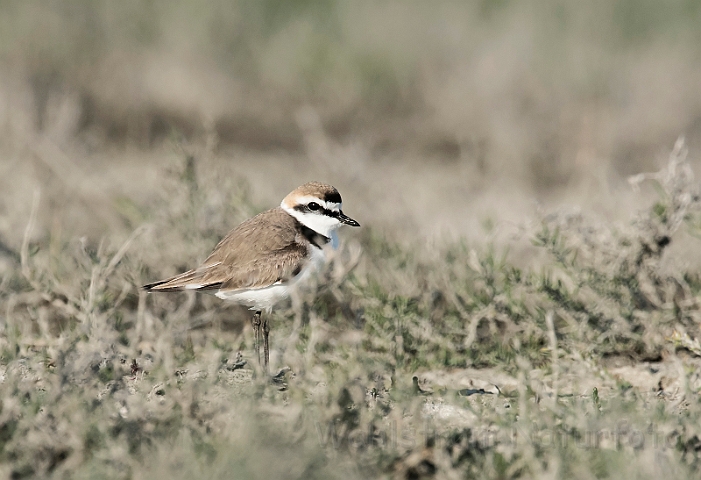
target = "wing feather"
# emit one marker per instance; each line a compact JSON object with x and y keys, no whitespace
{"x":258,"y":253}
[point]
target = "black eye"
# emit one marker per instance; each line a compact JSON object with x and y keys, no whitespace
{"x":313,"y":206}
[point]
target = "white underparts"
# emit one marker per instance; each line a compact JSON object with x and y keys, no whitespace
{"x":256,"y":298}
{"x":265,"y":298}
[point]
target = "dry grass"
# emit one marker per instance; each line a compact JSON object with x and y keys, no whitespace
{"x":584,"y":368}
{"x":475,"y":327}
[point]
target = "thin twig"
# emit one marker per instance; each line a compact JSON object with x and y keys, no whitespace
{"x":553,"y":350}
{"x":122,"y":251}
{"x":24,"y":251}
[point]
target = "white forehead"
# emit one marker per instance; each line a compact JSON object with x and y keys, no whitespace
{"x":292,"y":200}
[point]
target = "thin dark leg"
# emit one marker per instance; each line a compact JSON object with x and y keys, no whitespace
{"x":266,"y":349}
{"x":256,"y":334}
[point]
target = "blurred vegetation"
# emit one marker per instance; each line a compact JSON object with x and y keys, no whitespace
{"x":444,"y":78}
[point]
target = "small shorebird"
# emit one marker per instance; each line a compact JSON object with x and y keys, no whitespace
{"x":260,"y":261}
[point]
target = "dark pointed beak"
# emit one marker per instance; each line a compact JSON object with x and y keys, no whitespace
{"x":347,"y":220}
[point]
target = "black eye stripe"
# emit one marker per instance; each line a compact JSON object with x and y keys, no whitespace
{"x":320,"y":210}
{"x":327,"y":212}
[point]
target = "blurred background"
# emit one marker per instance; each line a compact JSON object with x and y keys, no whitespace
{"x":135,"y":134}
{"x":443,"y":118}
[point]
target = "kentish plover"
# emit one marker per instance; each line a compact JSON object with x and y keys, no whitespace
{"x":258,"y":263}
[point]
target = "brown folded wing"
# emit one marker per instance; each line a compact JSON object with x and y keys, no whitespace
{"x":261,"y":251}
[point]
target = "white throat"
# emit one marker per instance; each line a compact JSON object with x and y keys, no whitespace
{"x":321,"y":224}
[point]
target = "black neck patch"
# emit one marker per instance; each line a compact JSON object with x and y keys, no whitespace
{"x":315,"y":238}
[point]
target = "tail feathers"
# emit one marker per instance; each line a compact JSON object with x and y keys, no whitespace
{"x":162,"y":287}
{"x":179,"y":283}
